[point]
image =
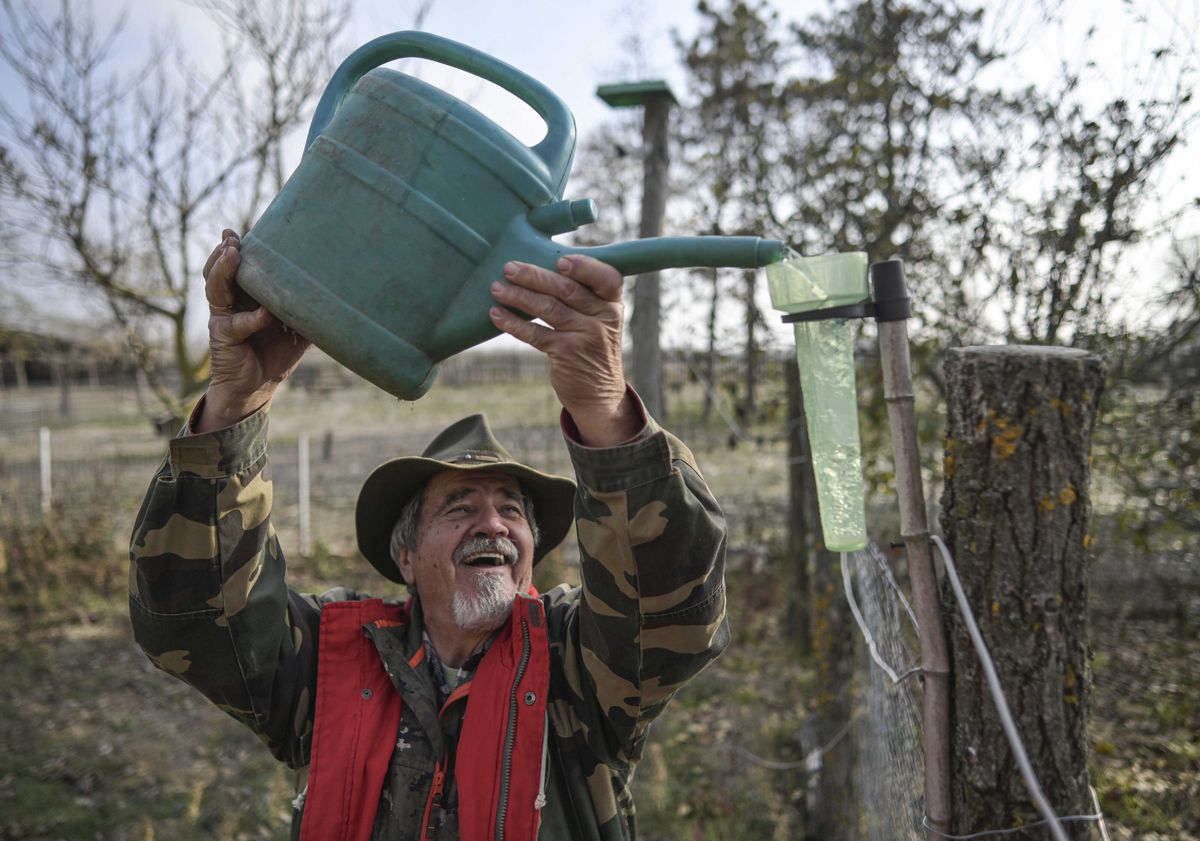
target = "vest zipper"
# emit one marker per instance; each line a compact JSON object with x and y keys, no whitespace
{"x":435,"y":794}
{"x":439,"y":771}
{"x":510,"y":737}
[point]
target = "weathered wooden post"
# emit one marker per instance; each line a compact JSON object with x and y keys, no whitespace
{"x":656,"y":98}
{"x":1015,"y":512}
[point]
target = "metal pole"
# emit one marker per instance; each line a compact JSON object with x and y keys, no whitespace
{"x":305,"y":523}
{"x":914,"y":530}
{"x":44,"y":465}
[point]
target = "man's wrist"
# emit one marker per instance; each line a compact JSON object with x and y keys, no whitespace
{"x":606,"y":427}
{"x":215,"y":411}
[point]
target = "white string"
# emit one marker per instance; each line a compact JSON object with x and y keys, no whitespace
{"x":1099,"y":811}
{"x":989,"y":833}
{"x":811,"y":760}
{"x":862,"y":626}
{"x":891,"y":580}
{"x":1006,"y":720}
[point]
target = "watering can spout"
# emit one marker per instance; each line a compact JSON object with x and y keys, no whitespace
{"x":646,"y":255}
{"x":657,"y":253}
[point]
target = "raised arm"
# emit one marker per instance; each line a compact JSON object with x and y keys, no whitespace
{"x":651,"y":535}
{"x":207,"y":595}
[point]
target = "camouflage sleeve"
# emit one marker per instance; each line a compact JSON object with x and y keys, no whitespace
{"x":652,"y":555}
{"x":207,"y":596}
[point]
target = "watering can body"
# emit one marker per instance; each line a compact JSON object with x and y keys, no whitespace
{"x":382,"y":246}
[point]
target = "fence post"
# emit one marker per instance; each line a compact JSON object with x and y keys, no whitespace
{"x":44,"y":468}
{"x":305,"y":511}
{"x":1016,"y":512}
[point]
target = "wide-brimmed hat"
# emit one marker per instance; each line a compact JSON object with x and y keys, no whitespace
{"x":467,"y":445}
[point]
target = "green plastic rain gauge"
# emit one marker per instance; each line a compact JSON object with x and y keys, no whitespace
{"x":814,"y":292}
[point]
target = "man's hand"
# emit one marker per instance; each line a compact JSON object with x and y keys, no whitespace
{"x":251,"y":351}
{"x":584,"y":313}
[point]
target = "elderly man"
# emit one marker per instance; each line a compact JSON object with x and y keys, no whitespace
{"x":474,"y":708}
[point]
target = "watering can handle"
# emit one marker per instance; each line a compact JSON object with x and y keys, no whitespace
{"x":556,"y":149}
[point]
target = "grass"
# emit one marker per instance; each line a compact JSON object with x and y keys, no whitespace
{"x":95,"y":744}
{"x":1146,"y":728}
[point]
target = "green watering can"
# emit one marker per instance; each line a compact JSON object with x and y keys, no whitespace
{"x":383,"y":244}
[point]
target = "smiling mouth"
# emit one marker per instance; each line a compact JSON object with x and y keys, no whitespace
{"x":486,"y":553}
{"x":485,"y":561}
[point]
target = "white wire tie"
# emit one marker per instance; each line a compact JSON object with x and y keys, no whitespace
{"x":994,"y":832}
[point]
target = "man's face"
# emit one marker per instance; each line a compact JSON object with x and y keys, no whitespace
{"x":473,"y":553}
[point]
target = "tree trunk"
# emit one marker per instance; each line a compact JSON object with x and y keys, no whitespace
{"x":749,"y":286}
{"x":1015,"y":513}
{"x":644,"y":322}
{"x":799,"y":528}
{"x":834,"y":808}
{"x":833,"y":805}
{"x":710,"y":356}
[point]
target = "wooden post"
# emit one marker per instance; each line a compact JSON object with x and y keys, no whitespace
{"x":1015,"y":512}
{"x":645,"y":320}
{"x":896,"y":366}
{"x":44,"y":471}
{"x":833,"y":810}
{"x":656,"y":99}
{"x":305,"y":508}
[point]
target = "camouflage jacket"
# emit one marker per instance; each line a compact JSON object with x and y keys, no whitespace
{"x":210,"y":605}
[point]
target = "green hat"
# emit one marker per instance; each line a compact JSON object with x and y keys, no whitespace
{"x":467,"y":445}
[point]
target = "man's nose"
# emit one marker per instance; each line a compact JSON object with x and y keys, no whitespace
{"x":491,"y":523}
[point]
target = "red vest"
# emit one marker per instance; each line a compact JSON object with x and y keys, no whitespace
{"x":498,"y":762}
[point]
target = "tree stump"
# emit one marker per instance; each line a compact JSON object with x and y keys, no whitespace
{"x":1015,"y":512}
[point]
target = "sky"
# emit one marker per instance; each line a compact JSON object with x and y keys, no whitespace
{"x":574,"y":46}
{"x":570,"y":46}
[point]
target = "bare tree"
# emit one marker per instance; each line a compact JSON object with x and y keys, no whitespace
{"x":114,"y":182}
{"x":731,"y":141}
{"x":1055,"y":256}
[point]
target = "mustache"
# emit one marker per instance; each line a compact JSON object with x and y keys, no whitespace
{"x":501,"y":546}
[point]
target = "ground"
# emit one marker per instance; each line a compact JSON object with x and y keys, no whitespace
{"x":97,"y":744}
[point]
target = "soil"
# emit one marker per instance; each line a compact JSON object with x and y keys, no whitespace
{"x":97,"y":744}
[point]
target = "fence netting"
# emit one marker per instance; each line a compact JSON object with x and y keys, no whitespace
{"x":888,"y":734}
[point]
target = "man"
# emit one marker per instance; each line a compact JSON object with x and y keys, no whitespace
{"x":475,"y":708}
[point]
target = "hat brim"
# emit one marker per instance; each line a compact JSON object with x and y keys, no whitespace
{"x":390,"y":486}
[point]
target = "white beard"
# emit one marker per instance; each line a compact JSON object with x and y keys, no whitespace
{"x":487,"y":607}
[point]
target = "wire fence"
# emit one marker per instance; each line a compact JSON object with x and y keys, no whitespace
{"x":97,"y":452}
{"x":44,"y":471}
{"x":91,"y":443}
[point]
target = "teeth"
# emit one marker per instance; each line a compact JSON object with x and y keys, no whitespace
{"x":486,"y":560}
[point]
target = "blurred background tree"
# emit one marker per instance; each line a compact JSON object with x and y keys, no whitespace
{"x":116,"y":181}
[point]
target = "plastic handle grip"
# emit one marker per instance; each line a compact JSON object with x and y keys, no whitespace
{"x":556,"y":149}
